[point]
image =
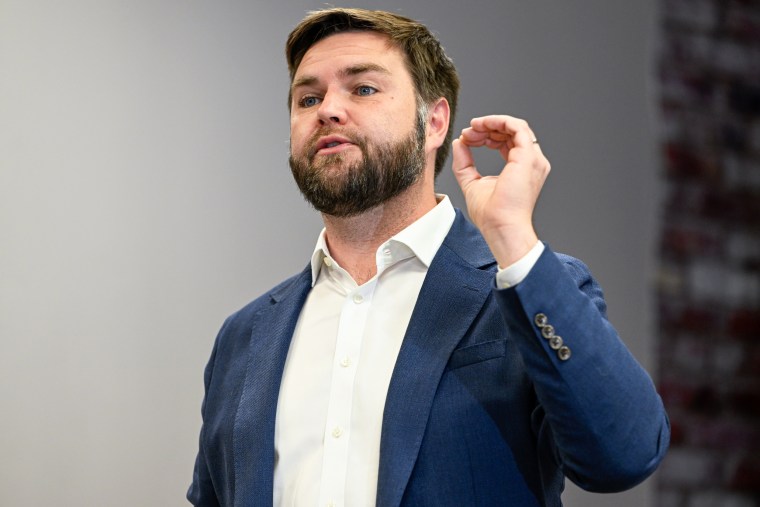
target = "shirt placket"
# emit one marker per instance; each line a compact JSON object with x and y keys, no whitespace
{"x":353,"y":318}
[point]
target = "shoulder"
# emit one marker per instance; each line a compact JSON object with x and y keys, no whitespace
{"x":277,"y":293}
{"x":236,"y":330}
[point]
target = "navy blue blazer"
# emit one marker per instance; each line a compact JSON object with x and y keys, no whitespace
{"x":481,"y":410}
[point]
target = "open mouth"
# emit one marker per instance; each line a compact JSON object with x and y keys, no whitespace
{"x":332,"y":144}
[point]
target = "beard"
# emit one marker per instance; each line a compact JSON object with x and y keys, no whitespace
{"x":340,"y":188}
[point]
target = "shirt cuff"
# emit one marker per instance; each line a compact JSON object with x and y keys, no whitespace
{"x":516,"y":273}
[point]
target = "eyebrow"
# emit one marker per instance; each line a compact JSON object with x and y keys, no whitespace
{"x":353,"y":70}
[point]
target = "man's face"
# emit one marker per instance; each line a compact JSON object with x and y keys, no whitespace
{"x":356,"y":139}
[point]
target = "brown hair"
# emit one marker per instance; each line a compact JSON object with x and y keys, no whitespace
{"x":432,"y":71}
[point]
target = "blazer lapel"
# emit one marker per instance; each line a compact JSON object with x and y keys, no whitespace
{"x":253,"y":436}
{"x":453,"y":293}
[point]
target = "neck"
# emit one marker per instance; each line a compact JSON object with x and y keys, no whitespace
{"x":353,"y":241}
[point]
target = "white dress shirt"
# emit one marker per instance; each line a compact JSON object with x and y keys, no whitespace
{"x":340,"y":361}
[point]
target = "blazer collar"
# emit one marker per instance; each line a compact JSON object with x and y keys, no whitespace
{"x":253,"y":434}
{"x":455,"y":289}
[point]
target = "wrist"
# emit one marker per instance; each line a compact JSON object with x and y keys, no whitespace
{"x":509,"y":245}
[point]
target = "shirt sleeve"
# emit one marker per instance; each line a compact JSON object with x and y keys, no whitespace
{"x":516,"y":273}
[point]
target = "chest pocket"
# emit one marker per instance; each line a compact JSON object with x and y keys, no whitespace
{"x":477,"y":353}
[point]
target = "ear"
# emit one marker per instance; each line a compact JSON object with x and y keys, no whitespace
{"x":437,"y":124}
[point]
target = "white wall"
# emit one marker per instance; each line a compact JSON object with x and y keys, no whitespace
{"x":145,"y":195}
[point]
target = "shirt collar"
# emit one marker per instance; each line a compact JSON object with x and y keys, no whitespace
{"x":423,"y":237}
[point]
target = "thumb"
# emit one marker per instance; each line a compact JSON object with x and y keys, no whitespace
{"x":463,"y":165}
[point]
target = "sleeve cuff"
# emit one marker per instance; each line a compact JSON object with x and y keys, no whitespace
{"x":516,"y":273}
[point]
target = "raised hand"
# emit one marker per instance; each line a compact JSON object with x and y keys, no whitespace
{"x":502,"y":206}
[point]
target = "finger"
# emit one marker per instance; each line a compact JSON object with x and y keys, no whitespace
{"x":472,"y":137}
{"x":463,"y":165}
{"x":529,"y":159}
{"x":525,"y":138}
{"x":517,"y":128}
{"x":497,"y":145}
{"x":499,"y":136}
{"x":499,"y":123}
{"x":494,"y":140}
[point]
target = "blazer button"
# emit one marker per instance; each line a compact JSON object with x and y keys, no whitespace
{"x":564,"y":353}
{"x":556,"y":342}
{"x":541,"y":320}
{"x":547,"y":331}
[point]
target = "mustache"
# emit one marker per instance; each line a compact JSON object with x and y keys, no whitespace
{"x":351,"y":135}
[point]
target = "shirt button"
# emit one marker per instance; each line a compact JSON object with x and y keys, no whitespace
{"x":345,"y":362}
{"x":387,"y":252}
{"x":358,"y":299}
{"x":328,"y":261}
{"x":337,"y":432}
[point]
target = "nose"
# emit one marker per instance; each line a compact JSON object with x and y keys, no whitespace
{"x":331,"y":110}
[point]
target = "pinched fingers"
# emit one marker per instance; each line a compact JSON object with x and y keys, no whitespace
{"x":490,"y":139}
{"x":507,"y":134}
{"x":505,"y":128}
{"x":474,"y":138}
{"x":499,"y":123}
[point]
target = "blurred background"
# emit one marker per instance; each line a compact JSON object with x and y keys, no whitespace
{"x":708,"y":284}
{"x":145,"y":195}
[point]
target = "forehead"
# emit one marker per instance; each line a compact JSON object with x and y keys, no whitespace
{"x":348,"y":48}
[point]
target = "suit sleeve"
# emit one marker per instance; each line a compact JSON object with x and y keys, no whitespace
{"x":604,"y":417}
{"x":201,"y":491}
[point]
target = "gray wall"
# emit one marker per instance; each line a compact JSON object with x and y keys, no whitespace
{"x":145,"y":195}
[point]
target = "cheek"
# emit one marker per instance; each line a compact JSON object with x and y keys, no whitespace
{"x":297,"y":139}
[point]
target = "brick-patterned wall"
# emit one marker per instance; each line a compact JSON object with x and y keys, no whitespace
{"x":709,"y":280}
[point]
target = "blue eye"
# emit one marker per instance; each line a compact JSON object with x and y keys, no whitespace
{"x":365,"y":91}
{"x":309,"y":101}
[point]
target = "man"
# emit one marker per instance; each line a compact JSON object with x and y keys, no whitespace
{"x":417,"y":360}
